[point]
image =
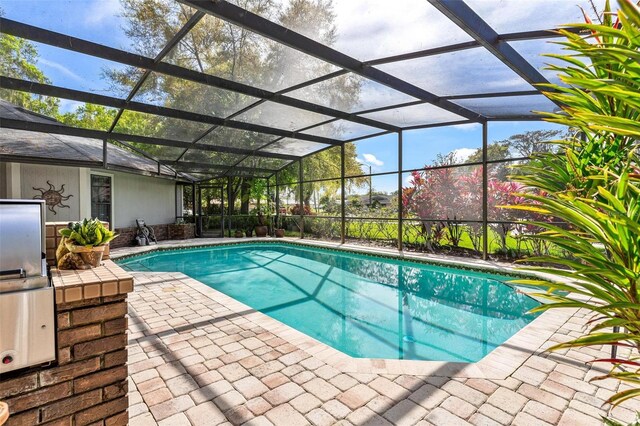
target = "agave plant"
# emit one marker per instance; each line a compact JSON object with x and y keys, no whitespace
{"x":88,"y":233}
{"x":593,"y":188}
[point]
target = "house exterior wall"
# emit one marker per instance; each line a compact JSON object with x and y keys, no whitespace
{"x":143,"y":197}
{"x":134,"y":196}
{"x":36,"y":176}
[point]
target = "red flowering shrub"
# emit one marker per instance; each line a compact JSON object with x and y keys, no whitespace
{"x":449,"y":195}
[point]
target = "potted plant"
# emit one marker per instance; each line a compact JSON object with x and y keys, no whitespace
{"x":279,"y":231}
{"x":262,"y":229}
{"x":238,"y":233}
{"x":88,"y":239}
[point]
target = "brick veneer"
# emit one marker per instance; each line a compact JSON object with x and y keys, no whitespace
{"x":88,"y":385}
{"x":182,"y":232}
{"x":127,"y":236}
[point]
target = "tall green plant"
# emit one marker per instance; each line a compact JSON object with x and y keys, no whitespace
{"x":592,"y":187}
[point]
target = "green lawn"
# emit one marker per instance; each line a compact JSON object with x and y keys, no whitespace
{"x":382,"y":230}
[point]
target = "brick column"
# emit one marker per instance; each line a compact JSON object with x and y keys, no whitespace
{"x":88,"y":385}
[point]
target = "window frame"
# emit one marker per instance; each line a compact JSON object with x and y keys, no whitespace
{"x":112,"y":196}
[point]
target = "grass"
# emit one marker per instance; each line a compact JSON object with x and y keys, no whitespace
{"x":387,"y":230}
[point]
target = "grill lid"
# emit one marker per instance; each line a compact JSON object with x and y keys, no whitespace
{"x":22,"y":244}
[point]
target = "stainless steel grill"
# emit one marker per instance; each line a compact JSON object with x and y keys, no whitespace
{"x":27,"y":325}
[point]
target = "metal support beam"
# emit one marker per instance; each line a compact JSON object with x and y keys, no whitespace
{"x":74,"y":44}
{"x":82,"y":46}
{"x":142,"y":153}
{"x":243,"y":18}
{"x":271,"y":142}
{"x":301,"y":197}
{"x":485,"y":193}
{"x":222,"y":218}
{"x":61,"y":129}
{"x":193,"y":201}
{"x":278,"y":223}
{"x":429,"y":126}
{"x":175,"y":199}
{"x":78,"y":95}
{"x":469,"y":21}
{"x":495,"y":95}
{"x":177,"y":37}
{"x":524,"y":35}
{"x":269,"y":216}
{"x":343,"y":197}
{"x":400,"y":206}
{"x":197,"y":210}
{"x":230,"y":207}
{"x":198,"y":166}
{"x":105,"y":156}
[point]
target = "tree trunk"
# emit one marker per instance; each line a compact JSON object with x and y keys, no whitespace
{"x":245,"y":192}
{"x":235,"y":188}
{"x":306,"y":196}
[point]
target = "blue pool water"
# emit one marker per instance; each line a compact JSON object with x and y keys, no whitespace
{"x":361,"y":305}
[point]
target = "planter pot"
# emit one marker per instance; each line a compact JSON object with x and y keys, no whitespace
{"x":279,"y":233}
{"x":249,"y":233}
{"x":238,"y":234}
{"x":262,"y":231}
{"x":91,"y":256}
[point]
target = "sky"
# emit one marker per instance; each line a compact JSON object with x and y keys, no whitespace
{"x":379,"y":31}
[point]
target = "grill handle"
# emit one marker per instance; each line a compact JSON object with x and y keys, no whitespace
{"x":19,"y":273}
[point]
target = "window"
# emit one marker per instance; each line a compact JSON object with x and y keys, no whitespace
{"x":101,"y":197}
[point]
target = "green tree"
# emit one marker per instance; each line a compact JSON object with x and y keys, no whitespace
{"x":499,"y":150}
{"x":532,"y":142}
{"x":495,"y":151}
{"x":90,"y":116}
{"x":216,"y":47}
{"x":322,"y":165}
{"x":18,"y":59}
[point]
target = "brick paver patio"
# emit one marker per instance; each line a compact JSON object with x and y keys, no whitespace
{"x":195,"y":361}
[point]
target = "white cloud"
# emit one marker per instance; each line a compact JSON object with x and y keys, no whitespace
{"x":371,"y":160}
{"x":468,"y":127}
{"x":102,"y":11}
{"x":518,"y":15}
{"x":462,"y":154}
{"x":61,"y":68}
{"x":68,"y":106}
{"x":383,"y":29}
{"x":414,"y":115}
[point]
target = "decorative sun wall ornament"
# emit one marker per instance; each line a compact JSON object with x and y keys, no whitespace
{"x":53,"y":197}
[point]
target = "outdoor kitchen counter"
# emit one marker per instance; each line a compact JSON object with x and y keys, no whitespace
{"x":78,"y":285}
{"x":87,"y":383}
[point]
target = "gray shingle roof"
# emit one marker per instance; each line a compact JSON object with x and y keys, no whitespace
{"x":22,"y":145}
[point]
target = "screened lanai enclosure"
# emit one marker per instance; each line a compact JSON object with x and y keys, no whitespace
{"x":392,"y":123}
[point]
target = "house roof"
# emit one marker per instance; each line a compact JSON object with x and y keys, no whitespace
{"x":38,"y":147}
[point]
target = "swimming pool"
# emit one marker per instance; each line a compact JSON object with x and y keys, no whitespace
{"x":364,"y":306}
